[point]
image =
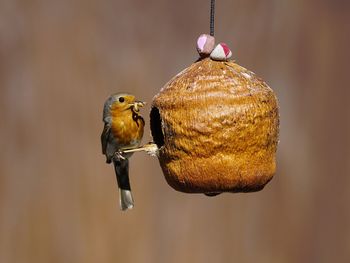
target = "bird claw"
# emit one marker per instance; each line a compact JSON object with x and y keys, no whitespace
{"x":118,"y":155}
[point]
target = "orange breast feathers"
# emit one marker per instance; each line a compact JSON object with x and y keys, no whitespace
{"x":127,"y":127}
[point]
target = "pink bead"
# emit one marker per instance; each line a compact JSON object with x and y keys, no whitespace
{"x":205,"y":45}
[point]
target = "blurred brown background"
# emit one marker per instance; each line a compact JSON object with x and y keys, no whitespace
{"x":59,"y":61}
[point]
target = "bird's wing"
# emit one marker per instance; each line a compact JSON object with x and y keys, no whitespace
{"x":105,"y":137}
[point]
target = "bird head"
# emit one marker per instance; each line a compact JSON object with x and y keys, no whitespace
{"x":122,"y":101}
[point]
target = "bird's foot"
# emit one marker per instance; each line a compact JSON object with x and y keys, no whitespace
{"x":118,"y":155}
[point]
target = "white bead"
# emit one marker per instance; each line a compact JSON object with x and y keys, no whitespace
{"x":221,"y":52}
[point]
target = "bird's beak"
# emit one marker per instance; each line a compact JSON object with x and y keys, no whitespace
{"x":137,"y":105}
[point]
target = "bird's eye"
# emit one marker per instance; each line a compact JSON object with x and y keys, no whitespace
{"x":121,"y":99}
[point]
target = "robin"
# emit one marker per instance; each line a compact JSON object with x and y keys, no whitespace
{"x":123,"y":129}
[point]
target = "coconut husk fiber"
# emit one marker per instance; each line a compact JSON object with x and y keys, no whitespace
{"x":216,"y":126}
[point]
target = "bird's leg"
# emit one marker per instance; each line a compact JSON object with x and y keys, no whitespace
{"x":118,"y":155}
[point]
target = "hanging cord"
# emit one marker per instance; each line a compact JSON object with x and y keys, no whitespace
{"x":212,"y":15}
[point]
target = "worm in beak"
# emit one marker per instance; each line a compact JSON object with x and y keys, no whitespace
{"x":137,"y":105}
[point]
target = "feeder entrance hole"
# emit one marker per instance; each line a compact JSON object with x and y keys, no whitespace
{"x":156,"y":127}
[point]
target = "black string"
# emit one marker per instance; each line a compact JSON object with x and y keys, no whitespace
{"x":212,"y":14}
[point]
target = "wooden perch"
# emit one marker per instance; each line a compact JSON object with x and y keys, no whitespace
{"x":149,"y":148}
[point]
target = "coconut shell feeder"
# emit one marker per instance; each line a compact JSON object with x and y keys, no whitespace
{"x":215,"y":124}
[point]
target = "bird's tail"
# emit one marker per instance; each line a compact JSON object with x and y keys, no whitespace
{"x":122,"y":172}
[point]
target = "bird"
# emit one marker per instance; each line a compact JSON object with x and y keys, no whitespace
{"x":123,"y":129}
